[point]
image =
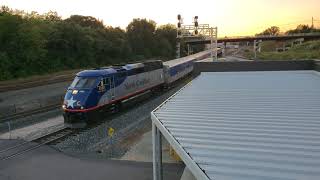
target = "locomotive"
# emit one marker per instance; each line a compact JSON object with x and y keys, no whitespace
{"x":97,"y":90}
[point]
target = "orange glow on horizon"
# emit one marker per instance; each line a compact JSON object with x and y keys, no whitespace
{"x":232,"y":17}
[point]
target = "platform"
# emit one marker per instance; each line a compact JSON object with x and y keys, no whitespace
{"x":49,"y":164}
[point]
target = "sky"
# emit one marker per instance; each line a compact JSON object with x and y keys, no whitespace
{"x":232,"y":17}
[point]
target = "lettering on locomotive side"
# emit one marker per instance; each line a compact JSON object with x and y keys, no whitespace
{"x":137,"y":83}
{"x":142,"y":82}
{"x":130,"y":85}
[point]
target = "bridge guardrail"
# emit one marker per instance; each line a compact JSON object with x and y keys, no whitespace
{"x":281,"y":35}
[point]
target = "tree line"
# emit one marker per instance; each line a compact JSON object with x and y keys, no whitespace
{"x":32,"y":43}
{"x":302,"y":28}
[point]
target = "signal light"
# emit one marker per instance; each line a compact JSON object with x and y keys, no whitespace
{"x":179,"y":25}
{"x":196,"y":32}
{"x":179,"y":17}
{"x":196,"y":24}
{"x":179,"y":33}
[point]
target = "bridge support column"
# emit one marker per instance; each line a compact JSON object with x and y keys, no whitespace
{"x":256,"y":47}
{"x":178,"y":49}
{"x":190,"y":51}
{"x":157,"y":153}
{"x":224,"y":48}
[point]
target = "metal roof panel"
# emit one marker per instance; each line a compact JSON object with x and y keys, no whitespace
{"x":246,"y":125}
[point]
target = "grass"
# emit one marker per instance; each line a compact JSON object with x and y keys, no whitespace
{"x":308,"y":50}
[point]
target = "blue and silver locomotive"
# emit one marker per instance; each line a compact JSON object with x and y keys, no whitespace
{"x":94,"y":91}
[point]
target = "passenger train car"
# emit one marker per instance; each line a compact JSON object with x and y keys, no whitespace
{"x":95,"y":91}
{"x":178,"y":68}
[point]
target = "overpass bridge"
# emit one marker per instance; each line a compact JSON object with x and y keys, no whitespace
{"x":305,"y":36}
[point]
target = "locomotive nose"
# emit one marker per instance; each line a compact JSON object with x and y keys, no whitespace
{"x":75,"y":99}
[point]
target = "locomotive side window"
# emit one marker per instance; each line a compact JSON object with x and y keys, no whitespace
{"x":111,"y":80}
{"x":106,"y":81}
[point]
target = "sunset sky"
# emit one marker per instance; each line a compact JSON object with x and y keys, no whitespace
{"x":233,"y":17}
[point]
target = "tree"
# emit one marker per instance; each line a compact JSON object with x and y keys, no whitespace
{"x":5,"y":10}
{"x":141,"y":37}
{"x":5,"y":67}
{"x":30,"y":49}
{"x":166,"y":36}
{"x":302,"y":28}
{"x":71,"y":45}
{"x":271,"y":31}
{"x":85,"y":21}
{"x":33,"y":43}
{"x":52,"y":16}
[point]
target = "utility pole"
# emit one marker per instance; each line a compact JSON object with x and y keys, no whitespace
{"x":312,"y":23}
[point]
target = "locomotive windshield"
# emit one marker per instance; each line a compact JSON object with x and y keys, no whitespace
{"x":83,"y":82}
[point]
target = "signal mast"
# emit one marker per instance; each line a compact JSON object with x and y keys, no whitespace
{"x":197,"y":31}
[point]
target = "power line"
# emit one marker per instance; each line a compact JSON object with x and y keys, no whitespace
{"x":291,"y":25}
{"x":287,"y":24}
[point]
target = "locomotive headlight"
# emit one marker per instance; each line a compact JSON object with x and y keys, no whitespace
{"x":75,"y":92}
{"x":64,"y":106}
{"x":82,"y":107}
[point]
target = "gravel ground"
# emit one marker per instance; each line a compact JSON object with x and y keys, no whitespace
{"x":129,"y":125}
{"x":141,"y":149}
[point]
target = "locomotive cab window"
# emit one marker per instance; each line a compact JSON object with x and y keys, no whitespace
{"x":101,"y":86}
{"x":83,"y":82}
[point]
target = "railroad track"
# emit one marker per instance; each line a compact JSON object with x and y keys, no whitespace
{"x":31,"y":112}
{"x":27,"y":146}
{"x":40,"y":82}
{"x":48,"y":139}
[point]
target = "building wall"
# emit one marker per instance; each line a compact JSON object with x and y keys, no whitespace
{"x":255,"y":66}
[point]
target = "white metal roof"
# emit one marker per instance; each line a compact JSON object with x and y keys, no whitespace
{"x":246,"y":125}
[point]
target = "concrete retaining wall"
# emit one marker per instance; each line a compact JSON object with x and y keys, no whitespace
{"x":317,"y":65}
{"x":254,"y":66}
